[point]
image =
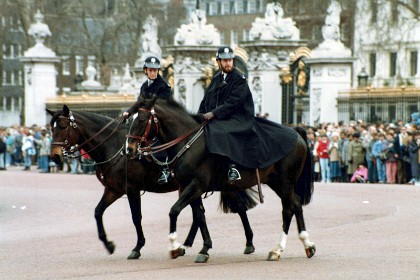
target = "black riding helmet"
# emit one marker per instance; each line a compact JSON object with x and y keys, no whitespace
{"x":151,"y":62}
{"x":225,"y":53}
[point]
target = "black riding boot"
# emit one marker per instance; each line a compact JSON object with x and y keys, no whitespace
{"x":165,"y":175}
{"x":233,"y":174}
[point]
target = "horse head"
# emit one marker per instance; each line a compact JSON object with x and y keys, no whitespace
{"x":144,"y":127}
{"x":64,"y":134}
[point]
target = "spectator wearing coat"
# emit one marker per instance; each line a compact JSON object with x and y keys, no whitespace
{"x":360,"y":175}
{"x":335,"y":158}
{"x":413,"y":148}
{"x":380,"y":163}
{"x":322,"y":151}
{"x":356,"y":153}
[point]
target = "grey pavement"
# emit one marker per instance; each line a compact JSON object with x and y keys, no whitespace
{"x":48,"y":231}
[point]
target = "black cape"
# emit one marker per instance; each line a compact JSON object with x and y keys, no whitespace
{"x":159,"y":87}
{"x":235,"y":132}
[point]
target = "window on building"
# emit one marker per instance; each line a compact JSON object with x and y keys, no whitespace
{"x":20,"y":77}
{"x":1,"y":102}
{"x":245,"y":6}
{"x":19,"y":49}
{"x":374,"y":5}
{"x":413,"y":63}
{"x":66,"y":65}
{"x":91,"y":60}
{"x":222,"y":38}
{"x":252,"y":7}
{"x":4,"y":77}
{"x":8,"y":104}
{"x":226,"y":10}
{"x":16,"y":104}
{"x":234,"y":37}
{"x":79,"y":65}
{"x":246,"y":35}
{"x":12,"y":78}
{"x":345,"y":30}
{"x":3,"y":22}
{"x":240,"y":7}
{"x":232,"y":7}
{"x":213,"y":9}
{"x":258,"y":5}
{"x":12,"y":51}
{"x":372,"y":64}
{"x":4,"y":50}
{"x":393,"y":64}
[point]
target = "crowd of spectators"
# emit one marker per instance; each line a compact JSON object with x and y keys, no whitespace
{"x":30,"y":147}
{"x":353,"y":152}
{"x":366,"y":153}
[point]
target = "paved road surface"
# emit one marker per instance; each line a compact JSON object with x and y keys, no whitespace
{"x":47,"y":231}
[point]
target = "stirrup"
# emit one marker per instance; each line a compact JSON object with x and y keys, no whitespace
{"x":233,"y":174}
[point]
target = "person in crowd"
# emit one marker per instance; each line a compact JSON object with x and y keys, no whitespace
{"x":391,"y":152}
{"x":367,"y":144}
{"x":44,"y":151}
{"x":28,"y":149}
{"x":360,"y":175}
{"x":322,"y":151}
{"x":317,"y":168}
{"x":154,"y":85}
{"x":413,"y":149}
{"x":380,"y":162}
{"x":3,"y":150}
{"x":335,"y":157}
{"x":343,"y":147}
{"x":88,"y":164}
{"x":356,"y":153}
{"x":403,"y":167}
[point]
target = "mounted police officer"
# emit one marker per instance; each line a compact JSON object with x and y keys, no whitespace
{"x":155,"y":85}
{"x":233,"y":131}
{"x":229,"y":107}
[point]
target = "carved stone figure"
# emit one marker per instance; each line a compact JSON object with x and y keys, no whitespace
{"x":149,"y":40}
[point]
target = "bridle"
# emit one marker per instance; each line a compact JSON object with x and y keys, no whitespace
{"x":149,"y":150}
{"x":145,"y":136}
{"x":69,"y":149}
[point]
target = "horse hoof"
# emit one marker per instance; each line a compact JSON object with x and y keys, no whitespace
{"x":110,"y":246}
{"x":310,"y":252}
{"x":273,"y":256}
{"x":201,"y":258}
{"x":134,"y":255}
{"x":249,"y":250}
{"x":181,"y":252}
{"x":176,"y":253}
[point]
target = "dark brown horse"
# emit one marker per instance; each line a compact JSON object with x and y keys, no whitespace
{"x":290,"y":178}
{"x":104,"y":140}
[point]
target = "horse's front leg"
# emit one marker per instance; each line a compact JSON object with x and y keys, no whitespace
{"x":107,"y":199}
{"x":135,"y":206}
{"x":190,"y":195}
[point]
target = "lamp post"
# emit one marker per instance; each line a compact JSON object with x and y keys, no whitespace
{"x":362,"y":78}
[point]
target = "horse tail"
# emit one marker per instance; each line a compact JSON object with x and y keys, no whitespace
{"x":240,"y":201}
{"x":305,"y":183}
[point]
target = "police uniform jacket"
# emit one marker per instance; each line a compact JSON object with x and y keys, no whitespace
{"x":159,"y":87}
{"x":235,"y":132}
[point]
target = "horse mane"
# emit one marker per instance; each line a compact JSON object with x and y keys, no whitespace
{"x":181,"y":109}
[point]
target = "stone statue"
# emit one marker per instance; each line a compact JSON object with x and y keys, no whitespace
{"x":273,"y":26}
{"x":331,"y":29}
{"x":149,"y":40}
{"x":39,"y":31}
{"x":90,"y":73}
{"x":197,"y":32}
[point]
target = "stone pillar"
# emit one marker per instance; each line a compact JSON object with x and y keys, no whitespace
{"x":40,"y":74}
{"x":331,"y":70}
{"x":328,"y":77}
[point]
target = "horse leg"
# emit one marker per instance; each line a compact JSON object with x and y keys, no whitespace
{"x":189,"y":196}
{"x":107,"y":199}
{"x":303,"y":234}
{"x":274,"y":254}
{"x":134,"y":200}
{"x":249,"y":248}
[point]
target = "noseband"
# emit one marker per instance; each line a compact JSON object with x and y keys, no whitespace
{"x":152,"y":117}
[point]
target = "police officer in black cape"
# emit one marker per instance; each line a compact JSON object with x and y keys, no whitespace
{"x":155,"y":85}
{"x":233,"y":130}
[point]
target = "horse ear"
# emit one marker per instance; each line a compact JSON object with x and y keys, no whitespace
{"x":50,"y":112}
{"x":66,"y":110}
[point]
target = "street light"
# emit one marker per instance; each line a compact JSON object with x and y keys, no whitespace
{"x":362,"y":78}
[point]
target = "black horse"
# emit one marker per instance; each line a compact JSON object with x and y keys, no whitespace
{"x":104,"y":140}
{"x":290,"y":178}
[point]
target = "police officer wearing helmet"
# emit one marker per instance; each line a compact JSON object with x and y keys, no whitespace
{"x":233,"y":131}
{"x":155,"y":85}
{"x":229,"y":107}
